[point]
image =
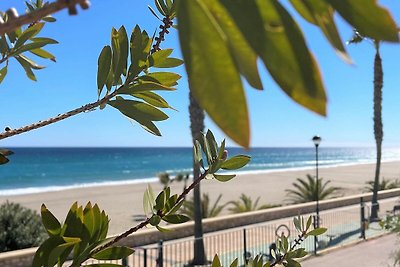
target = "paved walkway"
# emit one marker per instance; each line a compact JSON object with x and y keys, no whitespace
{"x":372,"y":253}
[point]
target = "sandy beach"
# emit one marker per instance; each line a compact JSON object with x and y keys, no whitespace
{"x":123,"y":202}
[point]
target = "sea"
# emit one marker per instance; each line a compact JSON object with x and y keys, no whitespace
{"x":35,"y":170}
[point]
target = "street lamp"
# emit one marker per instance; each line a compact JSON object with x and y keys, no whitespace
{"x":317,"y":140}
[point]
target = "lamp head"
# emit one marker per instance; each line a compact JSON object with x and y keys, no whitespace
{"x":317,"y":140}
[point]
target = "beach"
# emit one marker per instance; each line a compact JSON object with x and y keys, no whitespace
{"x":123,"y":203}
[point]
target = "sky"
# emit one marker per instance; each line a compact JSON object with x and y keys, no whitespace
{"x":276,"y":121}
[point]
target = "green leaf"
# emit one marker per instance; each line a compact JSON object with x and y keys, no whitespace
{"x":31,"y":63}
{"x":43,"y":54}
{"x":42,"y":253}
{"x":144,"y":87}
{"x":292,"y":263}
{"x":152,"y":99}
{"x":89,"y":220}
{"x":212,"y":144}
{"x":27,"y":68}
{"x":320,"y":14}
{"x":235,"y":263}
{"x":140,"y":48}
{"x":309,"y":221}
{"x":49,"y":19}
{"x":164,"y":78}
{"x":104,"y":66}
{"x":57,"y":252}
{"x":117,"y":68}
{"x":153,"y":12}
{"x":155,"y":220}
{"x":216,"y":262}
{"x":161,"y":7}
{"x":49,"y":221}
{"x":28,"y":33}
{"x":37,"y":43}
{"x":163,"y":230}
{"x":138,"y":111}
{"x":113,"y":253}
{"x":4,"y":47}
{"x":317,"y":231}
{"x":160,"y":201}
{"x":277,"y":39}
{"x":159,"y":56}
{"x":224,"y":177}
{"x":368,"y":18}
{"x":124,"y":49}
{"x":176,"y":218}
{"x":3,"y":73}
{"x":213,"y":76}
{"x":236,"y":162}
{"x":298,"y":253}
{"x":170,"y":63}
{"x":243,"y":54}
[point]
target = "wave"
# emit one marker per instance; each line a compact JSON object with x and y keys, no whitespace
{"x":283,"y":168}
{"x":35,"y":190}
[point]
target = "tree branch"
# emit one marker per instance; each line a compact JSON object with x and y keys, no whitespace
{"x":36,"y":15}
{"x":167,"y":22}
{"x":147,"y":221}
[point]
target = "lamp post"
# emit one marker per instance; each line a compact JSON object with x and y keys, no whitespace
{"x":317,"y":140}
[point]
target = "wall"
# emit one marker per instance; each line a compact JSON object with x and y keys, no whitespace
{"x":23,"y":258}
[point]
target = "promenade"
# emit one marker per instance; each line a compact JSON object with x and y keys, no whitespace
{"x":377,"y":252}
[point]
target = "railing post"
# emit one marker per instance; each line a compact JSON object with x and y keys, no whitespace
{"x":145,"y":257}
{"x":246,"y":258}
{"x":362,"y":218}
{"x":160,"y":258}
{"x":125,"y":262}
{"x":315,"y":237}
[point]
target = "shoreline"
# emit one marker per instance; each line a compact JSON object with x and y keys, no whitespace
{"x":123,"y":203}
{"x":59,"y":188}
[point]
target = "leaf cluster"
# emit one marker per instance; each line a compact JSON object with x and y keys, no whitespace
{"x":135,"y":79}
{"x":17,"y":43}
{"x":167,"y":8}
{"x":207,"y":151}
{"x":286,"y":252}
{"x":82,"y":234}
{"x":240,"y":32}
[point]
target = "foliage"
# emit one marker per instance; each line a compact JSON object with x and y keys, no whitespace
{"x":246,"y":204}
{"x":16,"y":44}
{"x":385,"y":184}
{"x":287,"y":252}
{"x":20,"y":227}
{"x":208,"y":210}
{"x":305,"y":190}
{"x":245,"y":30}
{"x":85,"y":229}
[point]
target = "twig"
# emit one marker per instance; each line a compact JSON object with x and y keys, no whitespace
{"x":296,"y":242}
{"x":88,"y":107}
{"x":147,"y":221}
{"x":36,"y":15}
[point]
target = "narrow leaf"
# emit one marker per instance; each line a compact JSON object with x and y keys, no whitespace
{"x":104,"y":66}
{"x":113,"y":253}
{"x":224,"y":177}
{"x":236,"y":162}
{"x":49,"y":221}
{"x":176,"y":218}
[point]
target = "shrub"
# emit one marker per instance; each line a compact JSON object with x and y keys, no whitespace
{"x":20,"y":227}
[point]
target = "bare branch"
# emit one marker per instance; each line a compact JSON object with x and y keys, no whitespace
{"x":36,"y":15}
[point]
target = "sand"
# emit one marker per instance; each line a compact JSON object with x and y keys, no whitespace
{"x":124,"y":202}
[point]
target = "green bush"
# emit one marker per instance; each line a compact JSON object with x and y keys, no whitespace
{"x":20,"y":227}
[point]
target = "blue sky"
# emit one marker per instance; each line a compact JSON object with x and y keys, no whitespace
{"x":275,"y":119}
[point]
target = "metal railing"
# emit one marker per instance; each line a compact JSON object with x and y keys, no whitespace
{"x":344,"y":225}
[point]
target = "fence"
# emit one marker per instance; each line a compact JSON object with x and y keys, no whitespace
{"x":342,"y":218}
{"x":344,"y":225}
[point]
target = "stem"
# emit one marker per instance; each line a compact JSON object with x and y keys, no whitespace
{"x":38,"y":14}
{"x":296,"y":242}
{"x":147,"y":221}
{"x":88,"y":107}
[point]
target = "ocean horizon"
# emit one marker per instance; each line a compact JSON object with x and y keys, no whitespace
{"x":44,"y":169}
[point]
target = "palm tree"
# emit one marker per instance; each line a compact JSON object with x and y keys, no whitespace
{"x":246,"y":204}
{"x":378,"y":126}
{"x":305,"y":190}
{"x":383,"y":185}
{"x":207,"y":210}
{"x":197,"y":126}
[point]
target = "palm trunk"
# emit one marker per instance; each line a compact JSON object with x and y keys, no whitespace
{"x":197,"y":126}
{"x":378,"y":129}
